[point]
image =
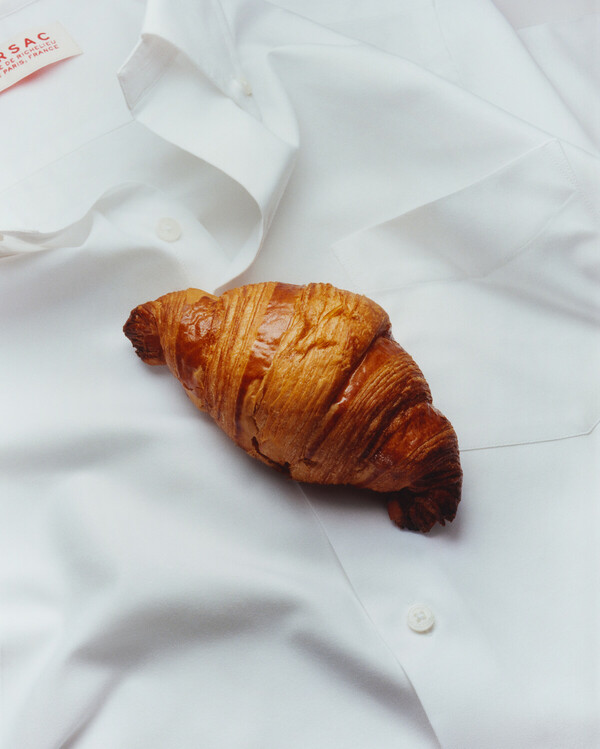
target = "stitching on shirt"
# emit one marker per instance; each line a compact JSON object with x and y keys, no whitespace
{"x":565,"y":169}
{"x":65,"y":156}
{"x":16,"y":8}
{"x":564,"y":166}
{"x":444,"y":39}
{"x":532,"y":442}
{"x":528,"y":244}
{"x":150,"y":59}
{"x":562,"y":20}
{"x":228,"y":38}
{"x":470,"y":277}
{"x":340,"y":251}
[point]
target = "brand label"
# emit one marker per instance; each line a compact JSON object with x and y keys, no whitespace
{"x":36,"y":49}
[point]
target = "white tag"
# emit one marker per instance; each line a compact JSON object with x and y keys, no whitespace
{"x":29,"y":52}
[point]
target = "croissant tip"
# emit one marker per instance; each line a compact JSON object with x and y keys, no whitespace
{"x":420,"y":513}
{"x":141,"y":329}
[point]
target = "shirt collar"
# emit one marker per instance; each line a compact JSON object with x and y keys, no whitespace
{"x":184,"y":82}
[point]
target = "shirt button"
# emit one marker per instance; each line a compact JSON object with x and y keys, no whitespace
{"x":420,"y":618}
{"x":168,"y":229}
{"x":242,"y":85}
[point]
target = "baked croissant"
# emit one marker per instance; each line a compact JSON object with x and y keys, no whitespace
{"x":309,"y":380}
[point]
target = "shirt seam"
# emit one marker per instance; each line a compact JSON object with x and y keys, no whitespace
{"x":17,"y":7}
{"x":562,"y":438}
{"x":66,"y":155}
{"x":149,"y":59}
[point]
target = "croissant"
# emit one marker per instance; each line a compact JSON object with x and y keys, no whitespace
{"x":309,"y":380}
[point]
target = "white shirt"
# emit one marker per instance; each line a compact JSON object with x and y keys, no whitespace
{"x":160,"y":588}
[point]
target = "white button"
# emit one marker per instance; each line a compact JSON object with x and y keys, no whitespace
{"x":420,"y":618}
{"x":243,"y":85}
{"x":168,"y":229}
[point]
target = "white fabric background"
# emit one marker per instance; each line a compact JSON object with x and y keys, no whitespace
{"x":159,"y":588}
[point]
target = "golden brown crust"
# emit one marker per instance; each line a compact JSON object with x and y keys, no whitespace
{"x":309,"y":380}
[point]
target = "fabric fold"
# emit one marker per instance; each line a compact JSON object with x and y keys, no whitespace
{"x":223,"y":125}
